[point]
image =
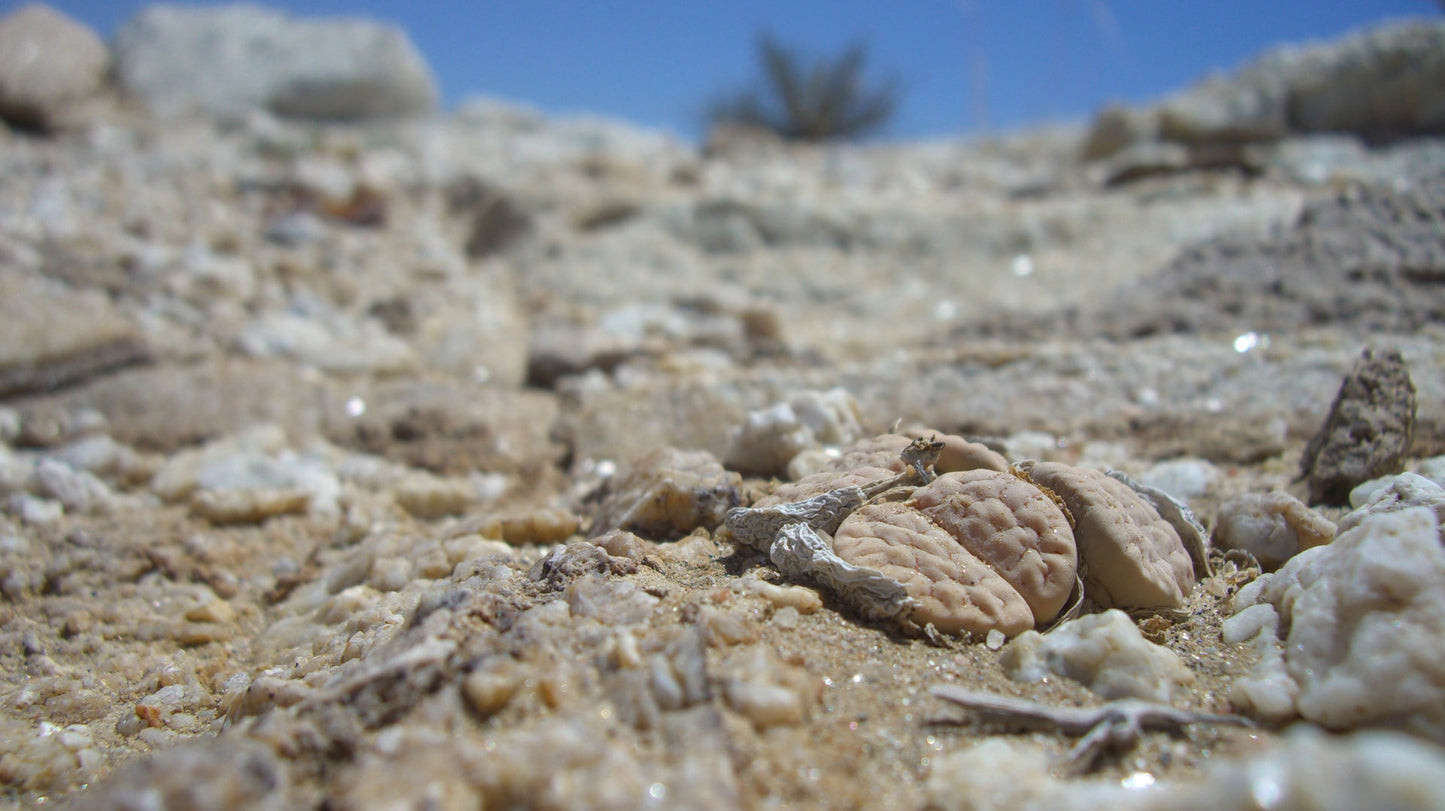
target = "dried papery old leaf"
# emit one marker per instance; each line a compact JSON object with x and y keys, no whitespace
{"x":758,"y":527}
{"x":824,"y":481}
{"x":801,"y":552}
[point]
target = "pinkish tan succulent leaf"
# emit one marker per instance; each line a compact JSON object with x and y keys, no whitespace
{"x":959,"y":455}
{"x":955,"y":590}
{"x":1179,"y":515}
{"x":1012,"y":526}
{"x":1132,"y":557}
{"x":885,"y":451}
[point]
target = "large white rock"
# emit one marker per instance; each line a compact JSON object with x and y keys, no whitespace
{"x":223,"y":59}
{"x":770,"y":437}
{"x":1105,"y":652}
{"x":48,"y":63}
{"x":1304,"y":771}
{"x":1362,"y":622}
{"x":1273,"y":527}
{"x":1398,"y":493}
{"x":250,"y":476}
{"x":1267,"y":690}
{"x":1381,"y":83}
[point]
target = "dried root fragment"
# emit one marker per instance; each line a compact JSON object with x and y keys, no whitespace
{"x":1132,"y":557}
{"x":1116,"y":725}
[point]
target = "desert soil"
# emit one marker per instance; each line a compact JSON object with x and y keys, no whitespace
{"x":416,"y":358}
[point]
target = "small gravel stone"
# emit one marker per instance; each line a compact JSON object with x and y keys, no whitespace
{"x":429,"y":497}
{"x":801,"y":599}
{"x":667,"y":494}
{"x":770,"y":438}
{"x":760,"y":690}
{"x":1105,"y":652}
{"x":48,"y":64}
{"x":1356,"y":620}
{"x":1368,"y":430}
{"x":1273,"y":527}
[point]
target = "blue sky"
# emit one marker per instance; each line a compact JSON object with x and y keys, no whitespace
{"x":967,"y":66}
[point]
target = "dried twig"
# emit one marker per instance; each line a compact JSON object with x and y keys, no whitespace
{"x":1116,"y":725}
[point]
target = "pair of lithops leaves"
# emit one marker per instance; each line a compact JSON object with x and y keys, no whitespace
{"x":938,"y":531}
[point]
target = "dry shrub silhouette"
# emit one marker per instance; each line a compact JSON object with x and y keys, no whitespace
{"x":810,"y":99}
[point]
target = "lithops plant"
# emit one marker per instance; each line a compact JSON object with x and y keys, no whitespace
{"x":1130,"y":556}
{"x":978,"y":551}
{"x":1011,"y":525}
{"x":966,"y":552}
{"x":983,"y":547}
